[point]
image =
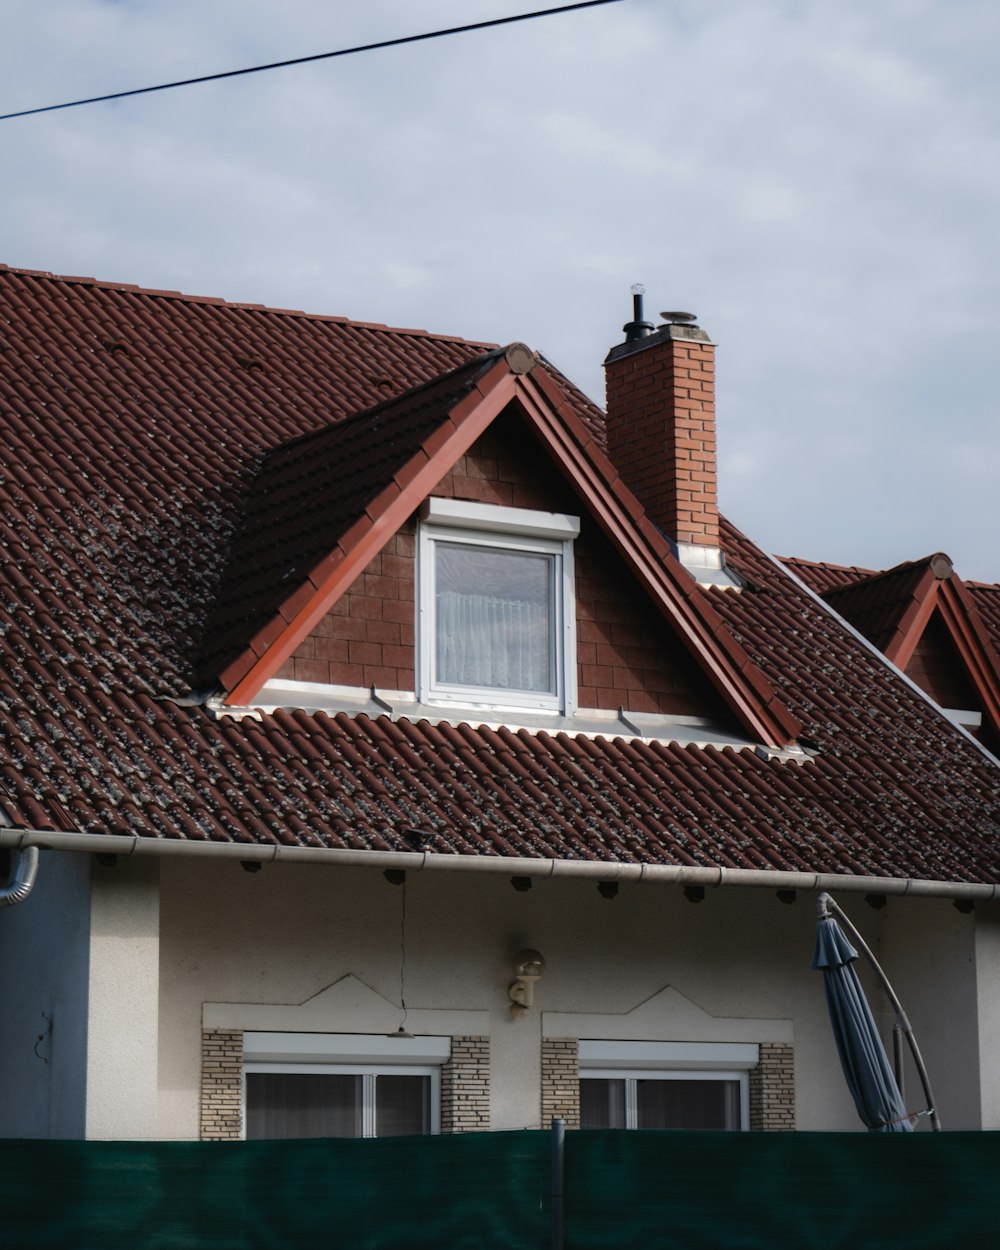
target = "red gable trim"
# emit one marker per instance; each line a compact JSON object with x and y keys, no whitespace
{"x":737,"y":679}
{"x":911,"y":626}
{"x":363,"y":541}
{"x":739,"y":682}
{"x":969,"y":634}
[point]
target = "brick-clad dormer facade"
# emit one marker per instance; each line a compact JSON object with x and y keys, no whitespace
{"x":661,"y":425}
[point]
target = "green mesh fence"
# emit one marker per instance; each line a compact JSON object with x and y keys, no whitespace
{"x":651,"y":1191}
{"x":473,"y":1190}
{"x":782,"y":1191}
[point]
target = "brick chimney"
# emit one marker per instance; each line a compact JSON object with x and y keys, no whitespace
{"x":661,"y":430}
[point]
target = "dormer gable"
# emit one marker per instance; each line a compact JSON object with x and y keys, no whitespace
{"x":327,"y":506}
{"x":922,"y":616}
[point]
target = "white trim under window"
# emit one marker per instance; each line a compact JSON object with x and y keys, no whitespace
{"x":364,"y":1077}
{"x":496,"y":617}
{"x":625,"y":1090}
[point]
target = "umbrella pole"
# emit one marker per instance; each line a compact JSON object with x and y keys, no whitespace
{"x":828,"y":906}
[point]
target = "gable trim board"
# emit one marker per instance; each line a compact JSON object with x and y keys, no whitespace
{"x":593,"y":870}
{"x":384,"y":515}
{"x":742,"y":686}
{"x":940,"y":592}
{"x":882,"y":657}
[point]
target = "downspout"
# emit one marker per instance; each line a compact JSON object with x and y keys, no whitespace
{"x":24,"y":871}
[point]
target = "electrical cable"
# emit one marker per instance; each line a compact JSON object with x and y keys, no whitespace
{"x":318,"y":56}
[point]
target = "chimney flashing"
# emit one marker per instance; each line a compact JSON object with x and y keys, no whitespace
{"x":707,"y":565}
{"x":665,"y":333}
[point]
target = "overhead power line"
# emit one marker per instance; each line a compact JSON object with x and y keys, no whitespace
{"x":318,"y":56}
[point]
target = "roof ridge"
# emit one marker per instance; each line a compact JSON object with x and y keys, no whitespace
{"x":904,"y":566}
{"x":132,"y":288}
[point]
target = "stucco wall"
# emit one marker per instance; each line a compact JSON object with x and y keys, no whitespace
{"x":43,"y":1002}
{"x":282,"y":936}
{"x":124,"y":1001}
{"x":928,"y":951}
{"x":988,"y":1008}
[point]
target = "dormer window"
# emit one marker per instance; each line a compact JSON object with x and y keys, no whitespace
{"x":496,"y":614}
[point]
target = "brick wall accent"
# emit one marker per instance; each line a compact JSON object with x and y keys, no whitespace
{"x":625,"y":656}
{"x":661,"y":429}
{"x":368,"y":636}
{"x":221,"y":1085}
{"x":939,"y":671}
{"x":465,"y":1086}
{"x":561,"y":1080}
{"x":772,"y":1089}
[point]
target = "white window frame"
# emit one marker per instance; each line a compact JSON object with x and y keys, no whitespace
{"x":511,"y":529}
{"x":670,"y":1061}
{"x":368,"y":1055}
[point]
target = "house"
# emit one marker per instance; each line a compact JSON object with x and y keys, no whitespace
{"x":393,"y":741}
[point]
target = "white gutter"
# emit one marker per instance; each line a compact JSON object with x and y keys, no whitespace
{"x":424,"y":861}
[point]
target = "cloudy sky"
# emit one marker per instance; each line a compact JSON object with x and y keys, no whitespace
{"x":819,"y":180}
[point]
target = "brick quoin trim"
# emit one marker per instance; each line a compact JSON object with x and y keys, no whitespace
{"x":561,"y":1080}
{"x":221,"y":1085}
{"x":661,"y":430}
{"x":772,"y":1089}
{"x":465,"y":1086}
{"x":625,"y":656}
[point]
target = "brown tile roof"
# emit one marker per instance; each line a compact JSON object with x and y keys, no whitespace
{"x":987,"y":600}
{"x":306,"y":496}
{"x":133,"y":438}
{"x":894,"y":608}
{"x":888,"y":607}
{"x":822,"y":577}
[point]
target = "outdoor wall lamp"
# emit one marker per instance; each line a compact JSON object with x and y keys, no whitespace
{"x":528,"y":966}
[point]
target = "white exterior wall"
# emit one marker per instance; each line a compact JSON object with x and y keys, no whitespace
{"x":124,"y":1001}
{"x":233,"y":940}
{"x":316,"y":948}
{"x":44,"y":945}
{"x":928,"y":951}
{"x":987,"y":954}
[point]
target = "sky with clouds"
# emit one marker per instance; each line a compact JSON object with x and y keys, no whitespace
{"x":819,"y":180}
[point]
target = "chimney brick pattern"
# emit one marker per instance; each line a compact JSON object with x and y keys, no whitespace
{"x":661,"y":429}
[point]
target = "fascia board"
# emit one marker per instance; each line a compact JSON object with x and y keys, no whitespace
{"x":978,"y":661}
{"x":771,"y":722}
{"x":914,"y":620}
{"x":453,"y":438}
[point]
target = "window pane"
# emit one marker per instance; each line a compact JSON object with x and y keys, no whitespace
{"x":688,"y":1104}
{"x":494,"y":618}
{"x":602,"y":1103}
{"x":402,"y":1106}
{"x":292,"y":1104}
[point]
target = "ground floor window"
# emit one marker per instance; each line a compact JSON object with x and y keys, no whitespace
{"x":341,"y":1085}
{"x":665,"y":1085}
{"x":660,"y":1100}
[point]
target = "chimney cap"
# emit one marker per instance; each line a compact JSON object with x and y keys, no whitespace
{"x":679,"y":318}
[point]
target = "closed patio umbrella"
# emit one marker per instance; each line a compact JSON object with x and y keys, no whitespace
{"x":869,"y":1075}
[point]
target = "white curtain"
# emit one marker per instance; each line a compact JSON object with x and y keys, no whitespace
{"x":484,"y":640}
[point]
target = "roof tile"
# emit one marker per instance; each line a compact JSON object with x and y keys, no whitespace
{"x":126,"y":481}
